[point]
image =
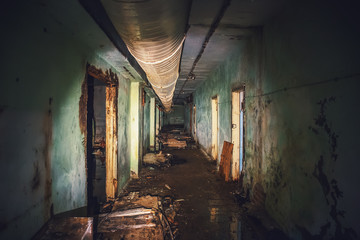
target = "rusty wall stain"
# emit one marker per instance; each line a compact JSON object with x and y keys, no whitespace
{"x":83,"y":108}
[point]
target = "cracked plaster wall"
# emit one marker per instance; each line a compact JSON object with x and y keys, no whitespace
{"x":301,"y":117}
{"x":41,"y":145}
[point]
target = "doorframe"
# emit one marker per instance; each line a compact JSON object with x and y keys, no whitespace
{"x":112,"y":82}
{"x":236,"y":173}
{"x":215,"y":139}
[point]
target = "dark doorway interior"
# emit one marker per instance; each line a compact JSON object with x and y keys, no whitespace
{"x":96,"y":143}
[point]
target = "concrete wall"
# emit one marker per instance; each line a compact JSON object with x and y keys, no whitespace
{"x":135,"y":123}
{"x":175,"y":117}
{"x":123,"y":133}
{"x":146,"y":136}
{"x":41,"y":145}
{"x":187,"y":117}
{"x":239,"y":69}
{"x":301,"y":115}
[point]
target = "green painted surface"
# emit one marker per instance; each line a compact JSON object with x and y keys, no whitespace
{"x":235,"y":72}
{"x":123,"y":133}
{"x":175,"y":117}
{"x":41,"y":150}
{"x":152,"y":123}
{"x":301,"y":136}
{"x":146,"y":136}
{"x":134,"y":126}
{"x":187,"y":117}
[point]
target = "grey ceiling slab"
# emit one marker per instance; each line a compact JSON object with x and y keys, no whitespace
{"x":238,"y":23}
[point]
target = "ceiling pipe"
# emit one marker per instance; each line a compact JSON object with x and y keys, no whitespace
{"x":214,"y":25}
{"x":98,"y":13}
{"x":154,"y":33}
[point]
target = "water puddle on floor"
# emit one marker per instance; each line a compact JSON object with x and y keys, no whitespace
{"x":224,"y":218}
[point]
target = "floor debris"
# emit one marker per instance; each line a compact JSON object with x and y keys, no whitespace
{"x":175,"y":138}
{"x":156,"y":159}
{"x":71,"y":228}
{"x":139,"y":217}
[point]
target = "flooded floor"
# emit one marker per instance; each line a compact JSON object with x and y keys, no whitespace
{"x":209,"y":209}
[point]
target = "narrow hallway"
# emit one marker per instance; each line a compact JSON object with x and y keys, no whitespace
{"x":208,"y":207}
{"x":263,"y":93}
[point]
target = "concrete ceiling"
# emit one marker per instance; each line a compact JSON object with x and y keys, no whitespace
{"x":215,"y":29}
{"x":238,"y":21}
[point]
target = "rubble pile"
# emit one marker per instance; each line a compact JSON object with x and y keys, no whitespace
{"x":139,"y":217}
{"x":174,"y":139}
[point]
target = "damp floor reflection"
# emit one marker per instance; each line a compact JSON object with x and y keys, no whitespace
{"x":209,"y":208}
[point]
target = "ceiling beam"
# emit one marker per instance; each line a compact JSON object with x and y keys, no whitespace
{"x":98,"y":13}
{"x":214,"y":25}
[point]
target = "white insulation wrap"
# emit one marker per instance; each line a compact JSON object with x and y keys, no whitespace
{"x":154,"y":32}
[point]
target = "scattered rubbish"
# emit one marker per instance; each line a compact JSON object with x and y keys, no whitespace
{"x":175,"y":138}
{"x":139,"y":217}
{"x":174,"y":143}
{"x":179,"y":200}
{"x":107,"y":207}
{"x":156,"y":159}
{"x":167,"y":186}
{"x":127,"y":213}
{"x":134,"y":175}
{"x":98,"y":152}
{"x":67,"y":228}
{"x":225,"y":161}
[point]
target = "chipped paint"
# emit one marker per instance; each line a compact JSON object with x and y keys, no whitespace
{"x":111,"y":141}
{"x":301,"y":122}
{"x":42,"y":130}
{"x":134,"y":126}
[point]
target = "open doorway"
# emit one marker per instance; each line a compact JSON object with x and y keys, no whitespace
{"x":237,"y":133}
{"x":101,"y":136}
{"x":97,"y":127}
{"x":214,"y":127}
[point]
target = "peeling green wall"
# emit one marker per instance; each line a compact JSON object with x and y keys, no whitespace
{"x":152,"y":123}
{"x":146,"y":136}
{"x":302,"y":128}
{"x":237,"y":70}
{"x":42,"y":155}
{"x":134,"y":126}
{"x":187,"y":117}
{"x":123,"y":133}
{"x":175,"y":117}
{"x":309,"y":162}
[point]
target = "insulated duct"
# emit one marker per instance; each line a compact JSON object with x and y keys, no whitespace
{"x":154,"y":33}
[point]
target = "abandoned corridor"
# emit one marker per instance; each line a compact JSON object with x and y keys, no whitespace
{"x":88,"y":89}
{"x":209,"y":208}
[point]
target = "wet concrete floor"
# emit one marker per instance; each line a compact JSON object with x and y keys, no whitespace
{"x":209,"y":209}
